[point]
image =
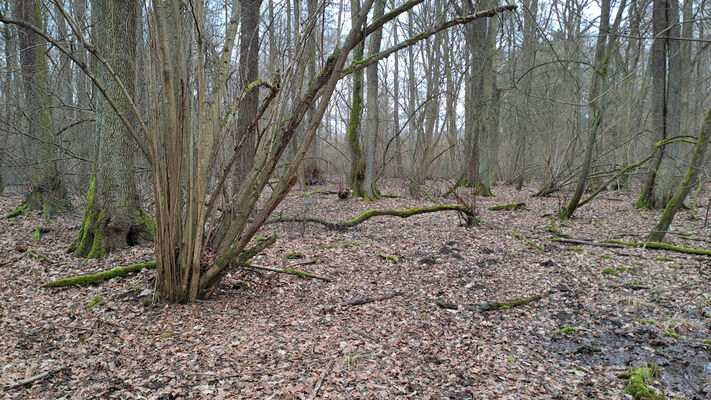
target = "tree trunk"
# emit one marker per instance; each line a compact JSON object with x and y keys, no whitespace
{"x":353,"y":132}
{"x":113,"y":218}
{"x":372,"y":121}
{"x":692,"y":174}
{"x":657,"y":190}
{"x":597,"y":105}
{"x":248,"y":72}
{"x":396,"y":109}
{"x":47,"y":191}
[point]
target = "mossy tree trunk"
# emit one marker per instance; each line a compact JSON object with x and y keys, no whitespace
{"x":47,"y":192}
{"x":692,"y":174}
{"x":113,"y":218}
{"x":353,"y":133}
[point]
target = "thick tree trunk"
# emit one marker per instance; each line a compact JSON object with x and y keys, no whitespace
{"x":113,"y":218}
{"x":249,"y":72}
{"x":47,"y":191}
{"x":396,"y":109}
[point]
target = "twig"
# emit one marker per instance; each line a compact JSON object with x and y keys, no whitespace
{"x":319,"y":382}
{"x":10,"y":261}
{"x":357,"y":301}
{"x":33,"y":379}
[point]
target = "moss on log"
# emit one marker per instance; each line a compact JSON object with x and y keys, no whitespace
{"x":637,"y":379}
{"x":84,"y":280}
{"x":528,"y":241}
{"x":470,"y":216}
{"x":510,"y":206}
{"x":505,"y":305}
{"x":661,"y":246}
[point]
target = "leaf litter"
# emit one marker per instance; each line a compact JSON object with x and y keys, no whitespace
{"x":282,"y":337}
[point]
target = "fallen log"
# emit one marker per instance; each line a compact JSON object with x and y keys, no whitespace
{"x":648,"y":245}
{"x":470,"y":216}
{"x":357,"y":301}
{"x":302,"y":274}
{"x":32,"y":379}
{"x":511,"y":206}
{"x":507,"y":304}
{"x":84,"y":280}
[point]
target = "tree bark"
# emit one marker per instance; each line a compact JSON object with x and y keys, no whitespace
{"x":372,"y":123}
{"x":47,"y":191}
{"x":113,"y":218}
{"x":353,"y":132}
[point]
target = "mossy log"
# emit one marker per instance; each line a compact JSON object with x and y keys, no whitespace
{"x":511,"y":206}
{"x":507,"y":304}
{"x":302,"y":274}
{"x":528,"y":241}
{"x":648,"y":245}
{"x":469,"y":215}
{"x":662,"y":246}
{"x":84,"y":280}
{"x":357,"y":301}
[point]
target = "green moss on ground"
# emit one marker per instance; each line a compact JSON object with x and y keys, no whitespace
{"x":510,"y":206}
{"x":96,"y":300}
{"x":661,"y":246}
{"x":528,"y":241}
{"x":609,"y":271}
{"x":566,"y":330}
{"x":294,"y":256}
{"x":84,"y":280}
{"x":335,"y":246}
{"x":637,"y":380}
{"x":388,"y":257}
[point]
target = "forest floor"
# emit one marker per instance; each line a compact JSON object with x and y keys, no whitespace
{"x":266,"y":335}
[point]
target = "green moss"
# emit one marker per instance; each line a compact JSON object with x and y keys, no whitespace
{"x":241,"y":285}
{"x":143,"y":219}
{"x":96,"y":300}
{"x":707,"y":342}
{"x":529,"y":242}
{"x":609,"y":271}
{"x":20,"y":210}
{"x":672,"y":335}
{"x":296,"y":272}
{"x":165,"y":335}
{"x":664,"y":259}
{"x":662,"y":246}
{"x":388,"y":257}
{"x":36,"y":235}
{"x":510,"y":358}
{"x":624,"y":269}
{"x":637,"y":380}
{"x":315,"y":192}
{"x":575,"y":249}
{"x":606,"y":256}
{"x":510,"y":206}
{"x":84,"y":280}
{"x":644,"y":321}
{"x":554,"y":230}
{"x":294,"y":256}
{"x":151,"y":299}
{"x":566,"y":330}
{"x":37,"y":256}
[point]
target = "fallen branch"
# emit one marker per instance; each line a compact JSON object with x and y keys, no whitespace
{"x":586,"y":242}
{"x":357,"y":301}
{"x":469,"y":214}
{"x":648,"y":245}
{"x":296,"y":272}
{"x":10,"y":261}
{"x":505,"y":305}
{"x":447,"y":305}
{"x":528,"y":241}
{"x":511,"y":206}
{"x":321,"y":377}
{"x":662,"y":246}
{"x":84,"y":280}
{"x":32,"y":379}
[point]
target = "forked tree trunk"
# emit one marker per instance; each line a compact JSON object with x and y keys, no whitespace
{"x":113,"y":218}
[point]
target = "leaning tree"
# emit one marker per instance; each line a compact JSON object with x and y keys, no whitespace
{"x":205,"y":226}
